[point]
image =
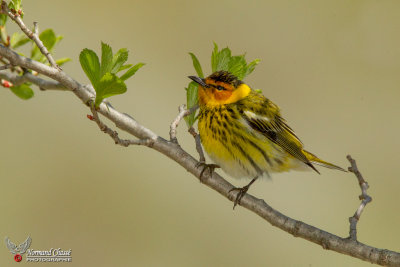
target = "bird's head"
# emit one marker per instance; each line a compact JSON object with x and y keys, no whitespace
{"x":220,"y":88}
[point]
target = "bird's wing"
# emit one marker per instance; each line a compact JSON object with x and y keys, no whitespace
{"x":11,"y":246}
{"x":275,"y":128}
{"x":276,"y":131}
{"x":24,"y":246}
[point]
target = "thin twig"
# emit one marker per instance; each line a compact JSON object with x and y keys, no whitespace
{"x":29,"y":77}
{"x":199,"y":148}
{"x":18,"y":69}
{"x":114,"y":134}
{"x":6,"y":66}
{"x":32,"y":35}
{"x":364,"y":197}
{"x":183,"y":112}
{"x":36,"y":28}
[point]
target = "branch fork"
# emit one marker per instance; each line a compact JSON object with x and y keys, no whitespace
{"x":202,"y":161}
{"x":172,"y":131}
{"x":114,"y":134}
{"x":29,"y":77}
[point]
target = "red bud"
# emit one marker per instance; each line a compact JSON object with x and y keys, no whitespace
{"x":6,"y":83}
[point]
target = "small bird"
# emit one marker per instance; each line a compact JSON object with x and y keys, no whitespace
{"x":244,"y":133}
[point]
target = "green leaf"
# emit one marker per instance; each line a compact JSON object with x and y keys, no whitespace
{"x":18,"y":39}
{"x":16,"y":4}
{"x":252,"y":66}
{"x":62,"y":61}
{"x":3,"y":35}
{"x":49,"y":39}
{"x":119,"y":59}
{"x":59,"y":38}
{"x":106,"y":59}
{"x":237,"y":66}
{"x":197,"y":66}
{"x":21,"y":54}
{"x":103,"y":75}
{"x":11,"y":5}
{"x":23,"y":91}
{"x":3,"y":19}
{"x":220,"y":59}
{"x":124,"y":67}
{"x":37,"y":55}
{"x":223,"y":59}
{"x":192,"y":100}
{"x":90,"y":65}
{"x":131,"y":71}
{"x":192,"y":92}
{"x":109,"y":85}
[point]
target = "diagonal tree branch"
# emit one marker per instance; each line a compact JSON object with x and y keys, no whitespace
{"x":172,"y":150}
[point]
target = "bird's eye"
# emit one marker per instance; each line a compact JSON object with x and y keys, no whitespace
{"x":220,"y":88}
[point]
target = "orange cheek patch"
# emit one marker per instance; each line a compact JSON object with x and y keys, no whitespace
{"x":222,"y":95}
{"x":213,"y":96}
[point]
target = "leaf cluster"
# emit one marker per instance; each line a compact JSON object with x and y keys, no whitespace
{"x":220,"y":60}
{"x":15,"y":5}
{"x":103,"y":75}
{"x":18,"y":39}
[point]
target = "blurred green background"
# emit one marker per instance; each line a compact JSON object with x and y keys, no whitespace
{"x":333,"y":68}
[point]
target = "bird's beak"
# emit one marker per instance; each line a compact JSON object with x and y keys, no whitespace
{"x":198,"y":80}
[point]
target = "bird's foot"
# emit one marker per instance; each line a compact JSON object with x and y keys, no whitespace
{"x":241,"y":192}
{"x":209,"y":167}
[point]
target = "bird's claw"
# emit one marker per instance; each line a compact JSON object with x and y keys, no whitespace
{"x":242,"y":191}
{"x":209,"y":167}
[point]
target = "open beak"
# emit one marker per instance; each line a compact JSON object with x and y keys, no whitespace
{"x":198,"y":80}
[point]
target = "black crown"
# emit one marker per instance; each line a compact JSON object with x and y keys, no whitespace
{"x":226,"y":77}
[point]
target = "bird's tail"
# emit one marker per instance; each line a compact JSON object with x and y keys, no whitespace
{"x":314,"y":159}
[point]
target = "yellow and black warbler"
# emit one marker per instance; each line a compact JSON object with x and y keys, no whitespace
{"x":244,"y":133}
